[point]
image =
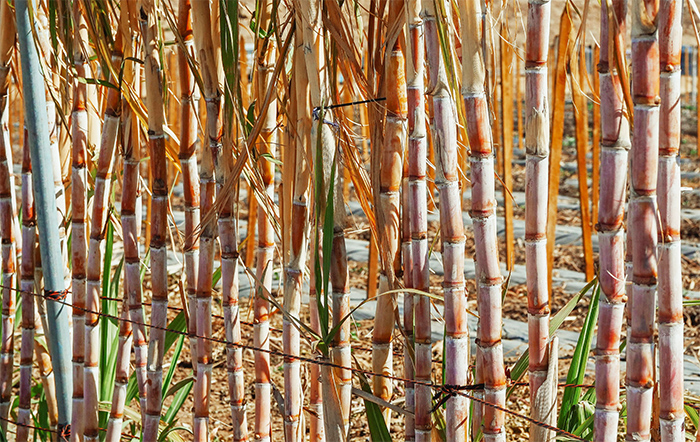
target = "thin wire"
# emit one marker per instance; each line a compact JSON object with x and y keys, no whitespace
{"x":351,"y":103}
{"x":451,"y":390}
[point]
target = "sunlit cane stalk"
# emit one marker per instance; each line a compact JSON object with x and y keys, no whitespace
{"x":79,"y":192}
{"x":24,"y":416}
{"x":451,"y":225}
{"x":643,"y":218}
{"x":98,"y":222}
{"x":266,"y":55}
{"x":387,"y":205}
{"x":188,"y":161}
{"x":671,"y":345}
{"x":542,"y":396}
{"x":121,"y":381}
{"x":8,"y":213}
{"x":483,"y":213}
{"x":159,"y":221}
{"x":131,"y":205}
{"x":418,"y":213}
{"x":298,"y":244}
{"x":614,"y":146}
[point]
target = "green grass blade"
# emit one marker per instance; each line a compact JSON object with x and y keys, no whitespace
{"x":323,"y":271}
{"x":375,"y":420}
{"x":577,"y":369}
{"x":328,"y":224}
{"x":109,"y":328}
{"x":216,"y":277}
{"x":178,"y":401}
{"x":179,"y":325}
{"x":173,"y":364}
{"x":586,"y":426}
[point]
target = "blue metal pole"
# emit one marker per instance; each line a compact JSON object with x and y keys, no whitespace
{"x":35,"y":120}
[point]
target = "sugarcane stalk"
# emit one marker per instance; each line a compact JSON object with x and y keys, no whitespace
{"x":79,"y":190}
{"x":8,"y":214}
{"x":16,"y":113}
{"x":24,"y":418}
{"x":131,"y":207}
{"x":252,"y":201}
{"x":42,"y":355}
{"x":335,"y":383}
{"x":340,"y":284}
{"x":415,"y":90}
{"x":264,"y":255}
{"x":222,"y":157}
{"x":519,"y":101}
{"x":447,"y":179}
{"x":132,"y":280}
{"x":614,"y":147}
{"x":47,"y":219}
{"x":228,"y":229}
{"x":409,"y":370}
{"x":44,"y":359}
{"x":266,"y":56}
{"x":121,"y":377}
{"x":98,"y":223}
{"x":542,"y":397}
{"x":430,"y":178}
{"x":387,"y":205}
{"x":229,"y":233}
{"x":8,"y":272}
{"x":316,"y":421}
{"x":484,"y":220}
{"x":159,"y":221}
{"x":188,"y":161}
{"x":415,"y":203}
{"x":285,"y":192}
{"x":595,"y":138}
{"x":643,"y":218}
{"x":373,"y":260}
{"x":250,"y":231}
{"x":298,"y":244}
{"x":670,"y":281}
